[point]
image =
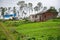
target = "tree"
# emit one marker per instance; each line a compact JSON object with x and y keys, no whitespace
{"x":24,"y":14}
{"x":25,"y":7}
{"x":3,"y":10}
{"x":36,"y":8}
{"x":59,"y":10}
{"x":52,"y":9}
{"x":30,"y":7}
{"x":44,"y":8}
{"x":9,"y":9}
{"x":21,"y":4}
{"x":39,"y":5}
{"x":14,"y":10}
{"x":51,"y":38}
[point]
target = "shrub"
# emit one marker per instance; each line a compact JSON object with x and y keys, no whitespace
{"x":58,"y":38}
{"x":33,"y":38}
{"x":29,"y":39}
{"x":2,"y":38}
{"x":51,"y":38}
{"x":42,"y":36}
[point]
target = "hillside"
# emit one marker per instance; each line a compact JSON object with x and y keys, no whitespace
{"x":23,"y":30}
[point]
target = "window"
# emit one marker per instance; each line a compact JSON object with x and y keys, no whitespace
{"x":45,"y":16}
{"x":35,"y":16}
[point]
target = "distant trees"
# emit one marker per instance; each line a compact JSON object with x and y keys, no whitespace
{"x":25,"y":7}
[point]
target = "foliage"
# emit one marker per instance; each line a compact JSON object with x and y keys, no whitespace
{"x":2,"y":36}
{"x":20,"y":2}
{"x":3,"y":10}
{"x":36,"y":8}
{"x":30,"y":4}
{"x":52,"y":9}
{"x":58,"y":38}
{"x":39,"y":4}
{"x":31,"y":38}
{"x":51,"y":38}
{"x":14,"y":9}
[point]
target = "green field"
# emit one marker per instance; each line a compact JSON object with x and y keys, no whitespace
{"x":24,"y":30}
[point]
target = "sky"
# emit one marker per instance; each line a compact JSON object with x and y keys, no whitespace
{"x":47,"y":3}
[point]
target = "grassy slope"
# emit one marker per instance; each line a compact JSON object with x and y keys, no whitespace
{"x":39,"y":30}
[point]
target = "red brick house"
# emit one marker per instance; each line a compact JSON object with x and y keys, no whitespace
{"x":43,"y":16}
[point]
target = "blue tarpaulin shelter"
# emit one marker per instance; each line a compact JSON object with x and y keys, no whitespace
{"x":9,"y":15}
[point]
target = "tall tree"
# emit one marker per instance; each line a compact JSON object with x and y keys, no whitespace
{"x":59,"y":10}
{"x":25,"y":7}
{"x":3,"y":10}
{"x":9,"y":9}
{"x":14,"y":11}
{"x":44,"y":8}
{"x":36,"y":8}
{"x":21,"y":5}
{"x":39,"y":4}
{"x":30,"y":7}
{"x":24,"y":14}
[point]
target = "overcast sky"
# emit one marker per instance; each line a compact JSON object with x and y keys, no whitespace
{"x":48,"y":3}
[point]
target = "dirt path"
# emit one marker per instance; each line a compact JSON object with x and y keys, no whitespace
{"x":6,"y":32}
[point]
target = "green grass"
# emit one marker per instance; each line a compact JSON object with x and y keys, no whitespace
{"x":38,"y":30}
